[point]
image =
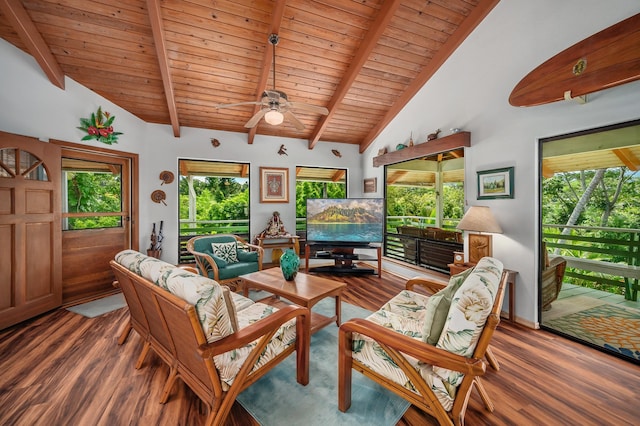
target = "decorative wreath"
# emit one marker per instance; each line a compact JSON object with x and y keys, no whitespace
{"x":99,"y":127}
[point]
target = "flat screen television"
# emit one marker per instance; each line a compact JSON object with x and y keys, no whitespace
{"x":347,"y":221}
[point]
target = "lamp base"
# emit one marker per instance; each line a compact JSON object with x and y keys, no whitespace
{"x":480,"y":245}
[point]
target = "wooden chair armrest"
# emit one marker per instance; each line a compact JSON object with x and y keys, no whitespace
{"x":205,"y":263}
{"x":431,"y":285}
{"x":415,"y":348}
{"x":189,"y":268}
{"x":255,"y":247}
{"x":265,"y":327}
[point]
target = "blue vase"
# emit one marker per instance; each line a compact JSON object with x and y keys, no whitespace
{"x":289,"y":263}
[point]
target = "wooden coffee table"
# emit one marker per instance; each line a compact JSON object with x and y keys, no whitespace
{"x":305,"y":290}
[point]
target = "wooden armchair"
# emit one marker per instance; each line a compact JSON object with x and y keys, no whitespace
{"x":402,"y":362}
{"x":551,"y":281}
{"x":223,"y":270}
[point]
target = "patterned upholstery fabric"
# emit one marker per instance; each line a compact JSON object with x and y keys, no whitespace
{"x":229,"y":363}
{"x":226,"y":251}
{"x":405,"y":314}
{"x":213,"y":311}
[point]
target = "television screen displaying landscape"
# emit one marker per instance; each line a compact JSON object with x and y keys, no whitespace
{"x":345,"y":220}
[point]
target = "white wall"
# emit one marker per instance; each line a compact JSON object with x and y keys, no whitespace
{"x":470,"y":91}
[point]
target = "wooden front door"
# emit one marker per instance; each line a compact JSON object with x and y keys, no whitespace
{"x":30,"y":228}
{"x":96,"y":219}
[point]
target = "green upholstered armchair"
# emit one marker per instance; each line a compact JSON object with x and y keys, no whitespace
{"x":224,"y":257}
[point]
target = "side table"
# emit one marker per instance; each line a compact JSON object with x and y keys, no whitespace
{"x":511,"y":282}
{"x":280,"y":242}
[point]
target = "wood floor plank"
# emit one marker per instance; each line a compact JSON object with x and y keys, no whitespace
{"x":63,"y":369}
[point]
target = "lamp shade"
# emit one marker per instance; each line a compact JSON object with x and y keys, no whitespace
{"x":479,"y":219}
{"x":274,"y":117}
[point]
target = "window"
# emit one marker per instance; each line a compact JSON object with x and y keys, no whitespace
{"x":317,"y":182}
{"x":91,"y":194}
{"x":214,"y":199}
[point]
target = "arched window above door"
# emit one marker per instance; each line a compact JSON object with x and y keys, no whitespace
{"x":16,"y":162}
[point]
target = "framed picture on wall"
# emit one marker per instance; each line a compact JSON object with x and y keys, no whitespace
{"x":274,"y":185}
{"x":370,"y":185}
{"x":496,"y":183}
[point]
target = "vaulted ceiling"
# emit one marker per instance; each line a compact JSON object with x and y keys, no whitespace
{"x":173,"y":61}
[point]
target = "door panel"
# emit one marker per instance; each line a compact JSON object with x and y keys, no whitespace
{"x":96,"y":222}
{"x":30,"y":229}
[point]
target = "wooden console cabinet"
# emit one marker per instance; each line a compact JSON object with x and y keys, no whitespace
{"x":345,"y":261}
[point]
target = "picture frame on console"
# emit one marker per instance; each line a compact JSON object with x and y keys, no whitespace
{"x":496,"y":183}
{"x":274,"y":185}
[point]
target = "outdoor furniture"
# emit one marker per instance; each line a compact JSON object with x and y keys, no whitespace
{"x":402,"y":348}
{"x":216,"y":341}
{"x":224,"y":257}
{"x":551,"y":280}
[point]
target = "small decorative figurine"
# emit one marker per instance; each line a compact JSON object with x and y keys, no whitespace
{"x":433,"y":135}
{"x":400,"y":146}
{"x":411,"y":139}
{"x":382,"y":151}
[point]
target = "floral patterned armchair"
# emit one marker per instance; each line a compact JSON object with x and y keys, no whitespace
{"x":429,"y":350}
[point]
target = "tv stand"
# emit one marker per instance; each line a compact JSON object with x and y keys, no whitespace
{"x":344,"y":259}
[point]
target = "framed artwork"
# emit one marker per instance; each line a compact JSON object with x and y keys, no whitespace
{"x":274,"y":185}
{"x":370,"y":185}
{"x":496,"y":183}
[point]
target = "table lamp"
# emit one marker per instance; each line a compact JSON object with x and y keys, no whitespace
{"x":479,"y":219}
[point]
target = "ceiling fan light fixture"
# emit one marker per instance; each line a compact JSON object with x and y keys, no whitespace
{"x":274,"y":117}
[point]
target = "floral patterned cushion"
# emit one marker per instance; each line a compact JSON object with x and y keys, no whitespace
{"x":229,"y":363}
{"x":438,"y":307}
{"x":469,"y":311}
{"x":408,"y":304}
{"x":205,"y":294}
{"x":464,"y":322}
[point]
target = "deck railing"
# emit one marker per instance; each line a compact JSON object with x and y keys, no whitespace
{"x":190,"y":229}
{"x":599,"y":255}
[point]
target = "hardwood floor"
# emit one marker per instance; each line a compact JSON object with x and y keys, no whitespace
{"x":65,"y":369}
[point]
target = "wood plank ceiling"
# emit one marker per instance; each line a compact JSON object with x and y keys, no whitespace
{"x":172,"y":61}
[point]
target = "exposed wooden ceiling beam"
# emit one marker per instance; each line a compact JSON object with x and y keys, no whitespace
{"x":157,"y":28}
{"x":628,"y":158}
{"x":368,"y":44}
{"x":546,"y":171}
{"x":276,"y":21}
{"x":26,"y":29}
{"x":338,"y":175}
{"x":395,"y":176}
{"x":452,"y":43}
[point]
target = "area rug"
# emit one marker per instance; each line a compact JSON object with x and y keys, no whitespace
{"x":99,"y":307}
{"x":277,"y":399}
{"x":610,"y":326}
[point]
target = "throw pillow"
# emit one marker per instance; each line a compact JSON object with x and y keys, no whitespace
{"x":438,"y":307}
{"x":226,"y":251}
{"x":247,"y":256}
{"x":220,"y":262}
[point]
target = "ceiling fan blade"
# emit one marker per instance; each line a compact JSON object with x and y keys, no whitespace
{"x":308,"y":107}
{"x":253,"y":121}
{"x":297,"y":123}
{"x":220,"y":106}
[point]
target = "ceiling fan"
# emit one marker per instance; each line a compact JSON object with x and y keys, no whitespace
{"x":275,"y":103}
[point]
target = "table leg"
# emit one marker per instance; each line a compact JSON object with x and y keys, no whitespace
{"x":338,"y":310}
